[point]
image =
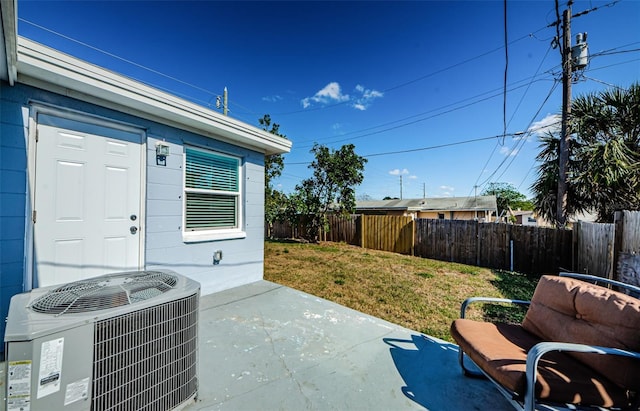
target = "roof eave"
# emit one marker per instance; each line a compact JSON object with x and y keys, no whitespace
{"x":47,"y":68}
{"x":9,"y":38}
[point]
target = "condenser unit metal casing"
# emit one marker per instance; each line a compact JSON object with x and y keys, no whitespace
{"x":124,"y":341}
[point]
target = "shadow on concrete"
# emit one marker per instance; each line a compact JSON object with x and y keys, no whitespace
{"x":433,"y":379}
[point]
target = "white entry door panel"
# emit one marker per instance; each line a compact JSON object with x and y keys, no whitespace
{"x":87,"y":201}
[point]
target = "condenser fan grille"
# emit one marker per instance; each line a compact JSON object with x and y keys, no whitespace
{"x":104,"y":292}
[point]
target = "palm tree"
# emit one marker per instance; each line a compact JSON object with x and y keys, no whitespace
{"x":604,"y":157}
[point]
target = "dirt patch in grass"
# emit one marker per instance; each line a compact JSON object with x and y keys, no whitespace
{"x":417,"y":293}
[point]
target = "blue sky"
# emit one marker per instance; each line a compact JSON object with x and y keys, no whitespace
{"x":416,"y":86}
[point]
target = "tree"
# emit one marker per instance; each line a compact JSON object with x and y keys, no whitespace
{"x":604,"y":157}
{"x":507,"y":196}
{"x":274,"y":200}
{"x":273,"y":164}
{"x":332,"y":186}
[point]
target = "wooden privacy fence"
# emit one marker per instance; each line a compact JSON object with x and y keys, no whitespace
{"x":594,"y":248}
{"x":345,"y":229}
{"x":449,"y":240}
{"x":610,"y":250}
{"x":600,"y":249}
{"x":387,"y":233}
{"x":520,"y":248}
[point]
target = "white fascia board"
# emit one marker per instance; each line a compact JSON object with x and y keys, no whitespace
{"x":8,"y":38}
{"x":44,"y":67}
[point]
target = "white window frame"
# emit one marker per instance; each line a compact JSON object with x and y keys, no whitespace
{"x":214,"y":233}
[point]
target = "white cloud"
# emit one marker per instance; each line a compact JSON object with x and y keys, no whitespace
{"x":413,"y":177}
{"x":397,"y":172}
{"x":331,"y":93}
{"x":365,"y":97}
{"x":549,"y":124}
{"x":447,"y":189}
{"x":272,"y":99}
{"x":506,"y":151}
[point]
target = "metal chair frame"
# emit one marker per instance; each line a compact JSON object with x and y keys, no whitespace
{"x":528,"y":401}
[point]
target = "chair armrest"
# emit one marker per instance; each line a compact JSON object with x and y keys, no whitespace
{"x":468,"y":301}
{"x":537,"y":351}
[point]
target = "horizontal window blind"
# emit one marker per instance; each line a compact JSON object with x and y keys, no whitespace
{"x":210,"y":171}
{"x":211,"y":190}
{"x":206,"y":211}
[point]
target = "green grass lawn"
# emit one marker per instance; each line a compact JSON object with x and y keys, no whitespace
{"x":417,"y":293}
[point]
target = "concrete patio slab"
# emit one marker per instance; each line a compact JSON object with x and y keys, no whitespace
{"x":268,"y":347}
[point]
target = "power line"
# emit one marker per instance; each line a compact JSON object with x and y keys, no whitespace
{"x":514,"y":113}
{"x":418,"y":115}
{"x":614,"y":52}
{"x":386,"y":153}
{"x":117,"y":57}
{"x":514,"y":154}
{"x":506,"y":70}
{"x":613,"y":65}
{"x":582,"y":13}
{"x":604,"y":52}
{"x":426,"y":112}
{"x":603,"y":82}
{"x":521,"y":142}
{"x":407,"y":83}
{"x":529,"y":85}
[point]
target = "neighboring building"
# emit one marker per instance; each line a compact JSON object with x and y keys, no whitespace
{"x":525,"y":217}
{"x":479,"y":208}
{"x":100,"y":173}
{"x":588,"y":217}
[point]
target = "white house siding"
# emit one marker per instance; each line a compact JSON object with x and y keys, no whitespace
{"x":242,"y":258}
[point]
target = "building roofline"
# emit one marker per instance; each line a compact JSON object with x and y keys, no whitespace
{"x":44,"y":67}
{"x":484,"y":203}
{"x":9,"y":20}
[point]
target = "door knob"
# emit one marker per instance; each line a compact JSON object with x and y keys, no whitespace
{"x":133,"y":217}
{"x":133,"y":229}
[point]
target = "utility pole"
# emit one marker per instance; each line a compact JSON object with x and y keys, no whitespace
{"x":424,"y":190}
{"x":565,"y":136}
{"x":400,"y":186}
{"x":475,"y":195}
{"x":225,"y":103}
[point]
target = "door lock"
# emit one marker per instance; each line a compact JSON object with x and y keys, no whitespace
{"x":133,"y":229}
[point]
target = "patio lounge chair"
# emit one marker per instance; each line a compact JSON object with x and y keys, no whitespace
{"x":578,"y":344}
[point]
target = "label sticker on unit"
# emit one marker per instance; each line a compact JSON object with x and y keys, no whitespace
{"x":76,"y":391}
{"x":19,"y":386}
{"x":50,"y":367}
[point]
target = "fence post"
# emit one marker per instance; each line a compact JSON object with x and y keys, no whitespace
{"x":507,"y":245}
{"x":413,"y":237}
{"x":477,"y":243}
{"x":575,"y":240}
{"x":618,"y":221}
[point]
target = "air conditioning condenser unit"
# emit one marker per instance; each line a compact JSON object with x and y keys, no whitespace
{"x":124,"y":341}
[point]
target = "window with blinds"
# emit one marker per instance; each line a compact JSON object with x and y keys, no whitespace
{"x":212,"y":190}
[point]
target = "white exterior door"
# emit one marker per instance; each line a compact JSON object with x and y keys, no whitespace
{"x":87,"y":201}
